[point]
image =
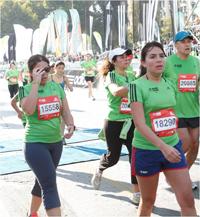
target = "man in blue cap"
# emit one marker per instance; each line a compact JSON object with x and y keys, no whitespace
{"x":184,"y":69}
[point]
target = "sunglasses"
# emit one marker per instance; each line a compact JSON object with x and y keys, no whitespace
{"x":47,"y":69}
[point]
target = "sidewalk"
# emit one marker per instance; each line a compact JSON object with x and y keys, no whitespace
{"x":78,"y":198}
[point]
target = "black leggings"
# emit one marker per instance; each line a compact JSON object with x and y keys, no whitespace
{"x":43,"y":160}
{"x":112,"y":131}
{"x":13,"y":89}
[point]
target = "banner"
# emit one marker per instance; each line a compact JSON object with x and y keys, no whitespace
{"x":11,"y":47}
{"x":4,"y":48}
{"x":75,"y":44}
{"x":98,"y":39}
{"x":108,"y":27}
{"x":36,"y":44}
{"x":43,"y":33}
{"x":23,"y":47}
{"x":61,"y":25}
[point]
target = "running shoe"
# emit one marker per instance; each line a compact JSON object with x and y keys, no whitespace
{"x":96,"y":180}
{"x":194,"y":186}
{"x":33,"y":214}
{"x":136,"y":198}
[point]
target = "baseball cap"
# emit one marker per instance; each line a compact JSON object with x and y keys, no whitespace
{"x":182,"y":35}
{"x":59,"y":62}
{"x":117,"y":52}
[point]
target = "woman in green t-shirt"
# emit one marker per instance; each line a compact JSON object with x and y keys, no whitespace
{"x":118,"y":127}
{"x":44,"y":102}
{"x":89,"y":66}
{"x":12,"y":76}
{"x":156,"y":143}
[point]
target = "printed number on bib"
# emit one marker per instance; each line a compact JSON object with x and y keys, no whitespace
{"x":124,"y":108}
{"x":48,"y":107}
{"x":187,"y":82}
{"x":164,"y":122}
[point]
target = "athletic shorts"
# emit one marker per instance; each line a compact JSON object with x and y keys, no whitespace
{"x":150,"y":162}
{"x":188,"y":122}
{"x":89,"y":78}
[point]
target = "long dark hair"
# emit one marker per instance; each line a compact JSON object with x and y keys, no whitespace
{"x":148,"y":47}
{"x":107,"y":66}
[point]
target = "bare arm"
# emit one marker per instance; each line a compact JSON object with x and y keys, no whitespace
{"x":16,"y":107}
{"x":68,"y":119}
{"x":170,"y":153}
{"x":117,"y":90}
{"x":69,"y":86}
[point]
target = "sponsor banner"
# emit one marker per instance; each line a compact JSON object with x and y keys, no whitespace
{"x":77,"y":79}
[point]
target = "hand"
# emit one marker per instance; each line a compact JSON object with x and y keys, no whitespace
{"x":37,"y":74}
{"x":171,"y":154}
{"x":70,"y":131}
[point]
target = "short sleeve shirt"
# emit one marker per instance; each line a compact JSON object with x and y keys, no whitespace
{"x":187,"y":102}
{"x":46,"y":131}
{"x":115,"y":101}
{"x":154,"y":97}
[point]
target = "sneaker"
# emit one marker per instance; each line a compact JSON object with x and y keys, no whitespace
{"x":33,"y":214}
{"x":136,"y":198}
{"x":93,"y":99}
{"x":194,"y":186}
{"x":96,"y":180}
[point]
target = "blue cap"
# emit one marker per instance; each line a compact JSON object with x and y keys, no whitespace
{"x":182,"y":35}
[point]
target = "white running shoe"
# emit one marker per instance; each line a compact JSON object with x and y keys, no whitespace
{"x":194,"y":186}
{"x":96,"y":180}
{"x":136,"y":198}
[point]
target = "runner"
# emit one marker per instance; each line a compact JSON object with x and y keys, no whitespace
{"x":60,"y":78}
{"x":156,"y":143}
{"x":24,"y":75}
{"x":184,"y":69}
{"x":16,"y":107}
{"x":43,"y":103}
{"x":89,"y":66}
{"x":59,"y":75}
{"x":12,"y":76}
{"x":118,"y":127}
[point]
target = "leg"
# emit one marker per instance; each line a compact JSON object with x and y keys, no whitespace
{"x":185,"y":138}
{"x":114,"y":144}
{"x":194,"y":148}
{"x":36,"y":198}
{"x":40,"y":160}
{"x":179,"y":179}
{"x":89,"y":89}
{"x":148,"y":187}
{"x":128,"y":144}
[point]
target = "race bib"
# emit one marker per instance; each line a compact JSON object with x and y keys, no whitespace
{"x":187,"y":82}
{"x":124,"y":106}
{"x":48,"y":107}
{"x":164,"y":122}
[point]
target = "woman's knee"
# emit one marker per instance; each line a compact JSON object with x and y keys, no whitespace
{"x":186,"y":200}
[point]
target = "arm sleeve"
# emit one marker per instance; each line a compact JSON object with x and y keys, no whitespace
{"x":135,"y":93}
{"x":110,"y":79}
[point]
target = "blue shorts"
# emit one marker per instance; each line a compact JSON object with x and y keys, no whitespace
{"x":150,"y":162}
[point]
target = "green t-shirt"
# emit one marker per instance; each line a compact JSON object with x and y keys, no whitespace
{"x":46,"y":131}
{"x":12,"y":76}
{"x":88,"y":67}
{"x":154,"y":97}
{"x":187,"y":102}
{"x":114,"y":102}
